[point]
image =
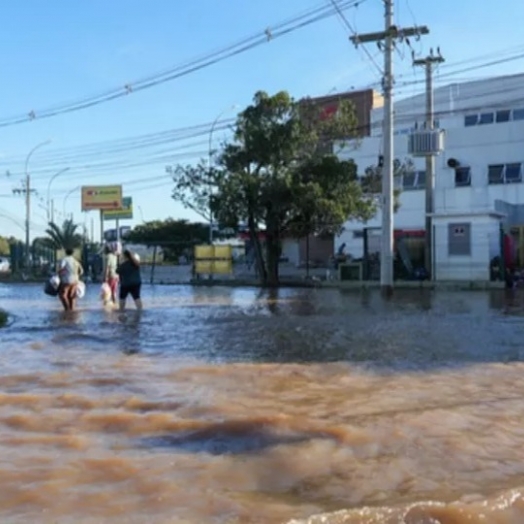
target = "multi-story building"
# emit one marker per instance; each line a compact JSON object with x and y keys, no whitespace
{"x":479,"y":187}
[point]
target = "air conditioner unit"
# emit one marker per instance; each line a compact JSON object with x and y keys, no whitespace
{"x":426,"y":142}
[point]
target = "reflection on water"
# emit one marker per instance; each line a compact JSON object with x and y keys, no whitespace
{"x":234,"y":405}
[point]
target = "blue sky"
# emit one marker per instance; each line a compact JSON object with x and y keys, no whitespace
{"x":55,"y":52}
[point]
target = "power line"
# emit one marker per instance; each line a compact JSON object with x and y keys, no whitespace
{"x":305,"y":19}
{"x":113,"y":151}
{"x":141,"y":141}
{"x":352,"y":31}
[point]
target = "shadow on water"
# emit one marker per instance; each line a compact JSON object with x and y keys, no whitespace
{"x":413,"y":330}
{"x":236,"y":437}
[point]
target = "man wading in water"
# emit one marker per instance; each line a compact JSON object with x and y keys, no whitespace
{"x":70,"y":272}
{"x":130,"y":280}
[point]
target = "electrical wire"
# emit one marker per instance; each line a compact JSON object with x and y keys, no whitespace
{"x":352,"y":31}
{"x":170,"y":136}
{"x":281,"y":29}
{"x":163,"y":156}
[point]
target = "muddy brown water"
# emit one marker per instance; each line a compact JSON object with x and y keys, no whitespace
{"x":239,"y":406}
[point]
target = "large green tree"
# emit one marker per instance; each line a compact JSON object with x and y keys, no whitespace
{"x":175,"y":237}
{"x":278,"y":172}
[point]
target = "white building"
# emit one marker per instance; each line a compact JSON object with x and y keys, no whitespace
{"x":479,"y":183}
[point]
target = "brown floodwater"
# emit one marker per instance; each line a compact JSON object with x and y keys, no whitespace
{"x":237,"y":406}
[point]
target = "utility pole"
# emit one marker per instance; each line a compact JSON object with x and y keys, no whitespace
{"x":428,"y":63}
{"x":389,"y":36}
{"x":26,"y":190}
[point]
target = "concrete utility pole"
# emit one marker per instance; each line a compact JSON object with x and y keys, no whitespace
{"x":390,"y":36}
{"x":428,"y":64}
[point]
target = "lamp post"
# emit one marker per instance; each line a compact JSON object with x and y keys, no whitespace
{"x":28,"y":199}
{"x":50,"y":208}
{"x":65,"y":200}
{"x":211,"y":169}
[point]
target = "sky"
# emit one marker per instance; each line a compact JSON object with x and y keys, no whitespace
{"x":57,"y":52}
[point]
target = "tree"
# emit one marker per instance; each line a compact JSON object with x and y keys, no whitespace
{"x":64,"y":237}
{"x":277,"y":172}
{"x":195,"y":187}
{"x":175,"y":237}
{"x":5,"y":245}
{"x":372,"y":179}
{"x":327,"y":192}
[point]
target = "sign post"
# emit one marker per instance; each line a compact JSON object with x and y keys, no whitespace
{"x":124,"y":212}
{"x":101,"y":198}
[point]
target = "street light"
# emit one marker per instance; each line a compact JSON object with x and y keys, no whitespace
{"x":28,"y":198}
{"x":65,"y":200}
{"x":50,"y":209}
{"x":233,"y":107}
{"x":141,"y":214}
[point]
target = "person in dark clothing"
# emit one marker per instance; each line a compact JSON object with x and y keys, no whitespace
{"x":130,"y":280}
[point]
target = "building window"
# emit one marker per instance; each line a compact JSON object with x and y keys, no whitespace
{"x":486,"y":118}
{"x":496,"y":174}
{"x":463,"y":176}
{"x":358,"y":233}
{"x":459,"y":239}
{"x":471,"y":120}
{"x":503,"y":116}
{"x":505,"y":173}
{"x":518,"y":114}
{"x":513,"y":173}
{"x":421,"y":180}
{"x":414,"y":180}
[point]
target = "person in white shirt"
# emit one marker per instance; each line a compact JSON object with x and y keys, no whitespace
{"x":110,"y":274}
{"x":70,"y":272}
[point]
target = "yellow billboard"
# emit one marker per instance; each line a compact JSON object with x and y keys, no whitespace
{"x":103,"y":198}
{"x":213,"y":260}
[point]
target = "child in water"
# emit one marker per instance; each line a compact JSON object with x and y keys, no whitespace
{"x":130,"y":280}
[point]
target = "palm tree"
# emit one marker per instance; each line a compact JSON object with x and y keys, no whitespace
{"x":64,"y":237}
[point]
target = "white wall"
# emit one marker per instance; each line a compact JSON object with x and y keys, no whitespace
{"x":452,"y":101}
{"x":412,"y":208}
{"x":485,"y":244}
{"x":478,"y":147}
{"x":290,"y":249}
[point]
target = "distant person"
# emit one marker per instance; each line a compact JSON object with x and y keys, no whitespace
{"x":130,"y":279}
{"x":69,"y":272}
{"x":110,"y":271}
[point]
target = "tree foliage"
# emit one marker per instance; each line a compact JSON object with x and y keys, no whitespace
{"x":372,"y":178}
{"x":278,"y":172}
{"x":175,"y":237}
{"x":63,"y":237}
{"x":5,"y":245}
{"x":326,"y":192}
{"x":195,"y":187}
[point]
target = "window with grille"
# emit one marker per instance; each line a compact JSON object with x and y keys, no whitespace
{"x":505,"y":173}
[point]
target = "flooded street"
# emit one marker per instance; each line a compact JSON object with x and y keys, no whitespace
{"x":240,"y":406}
